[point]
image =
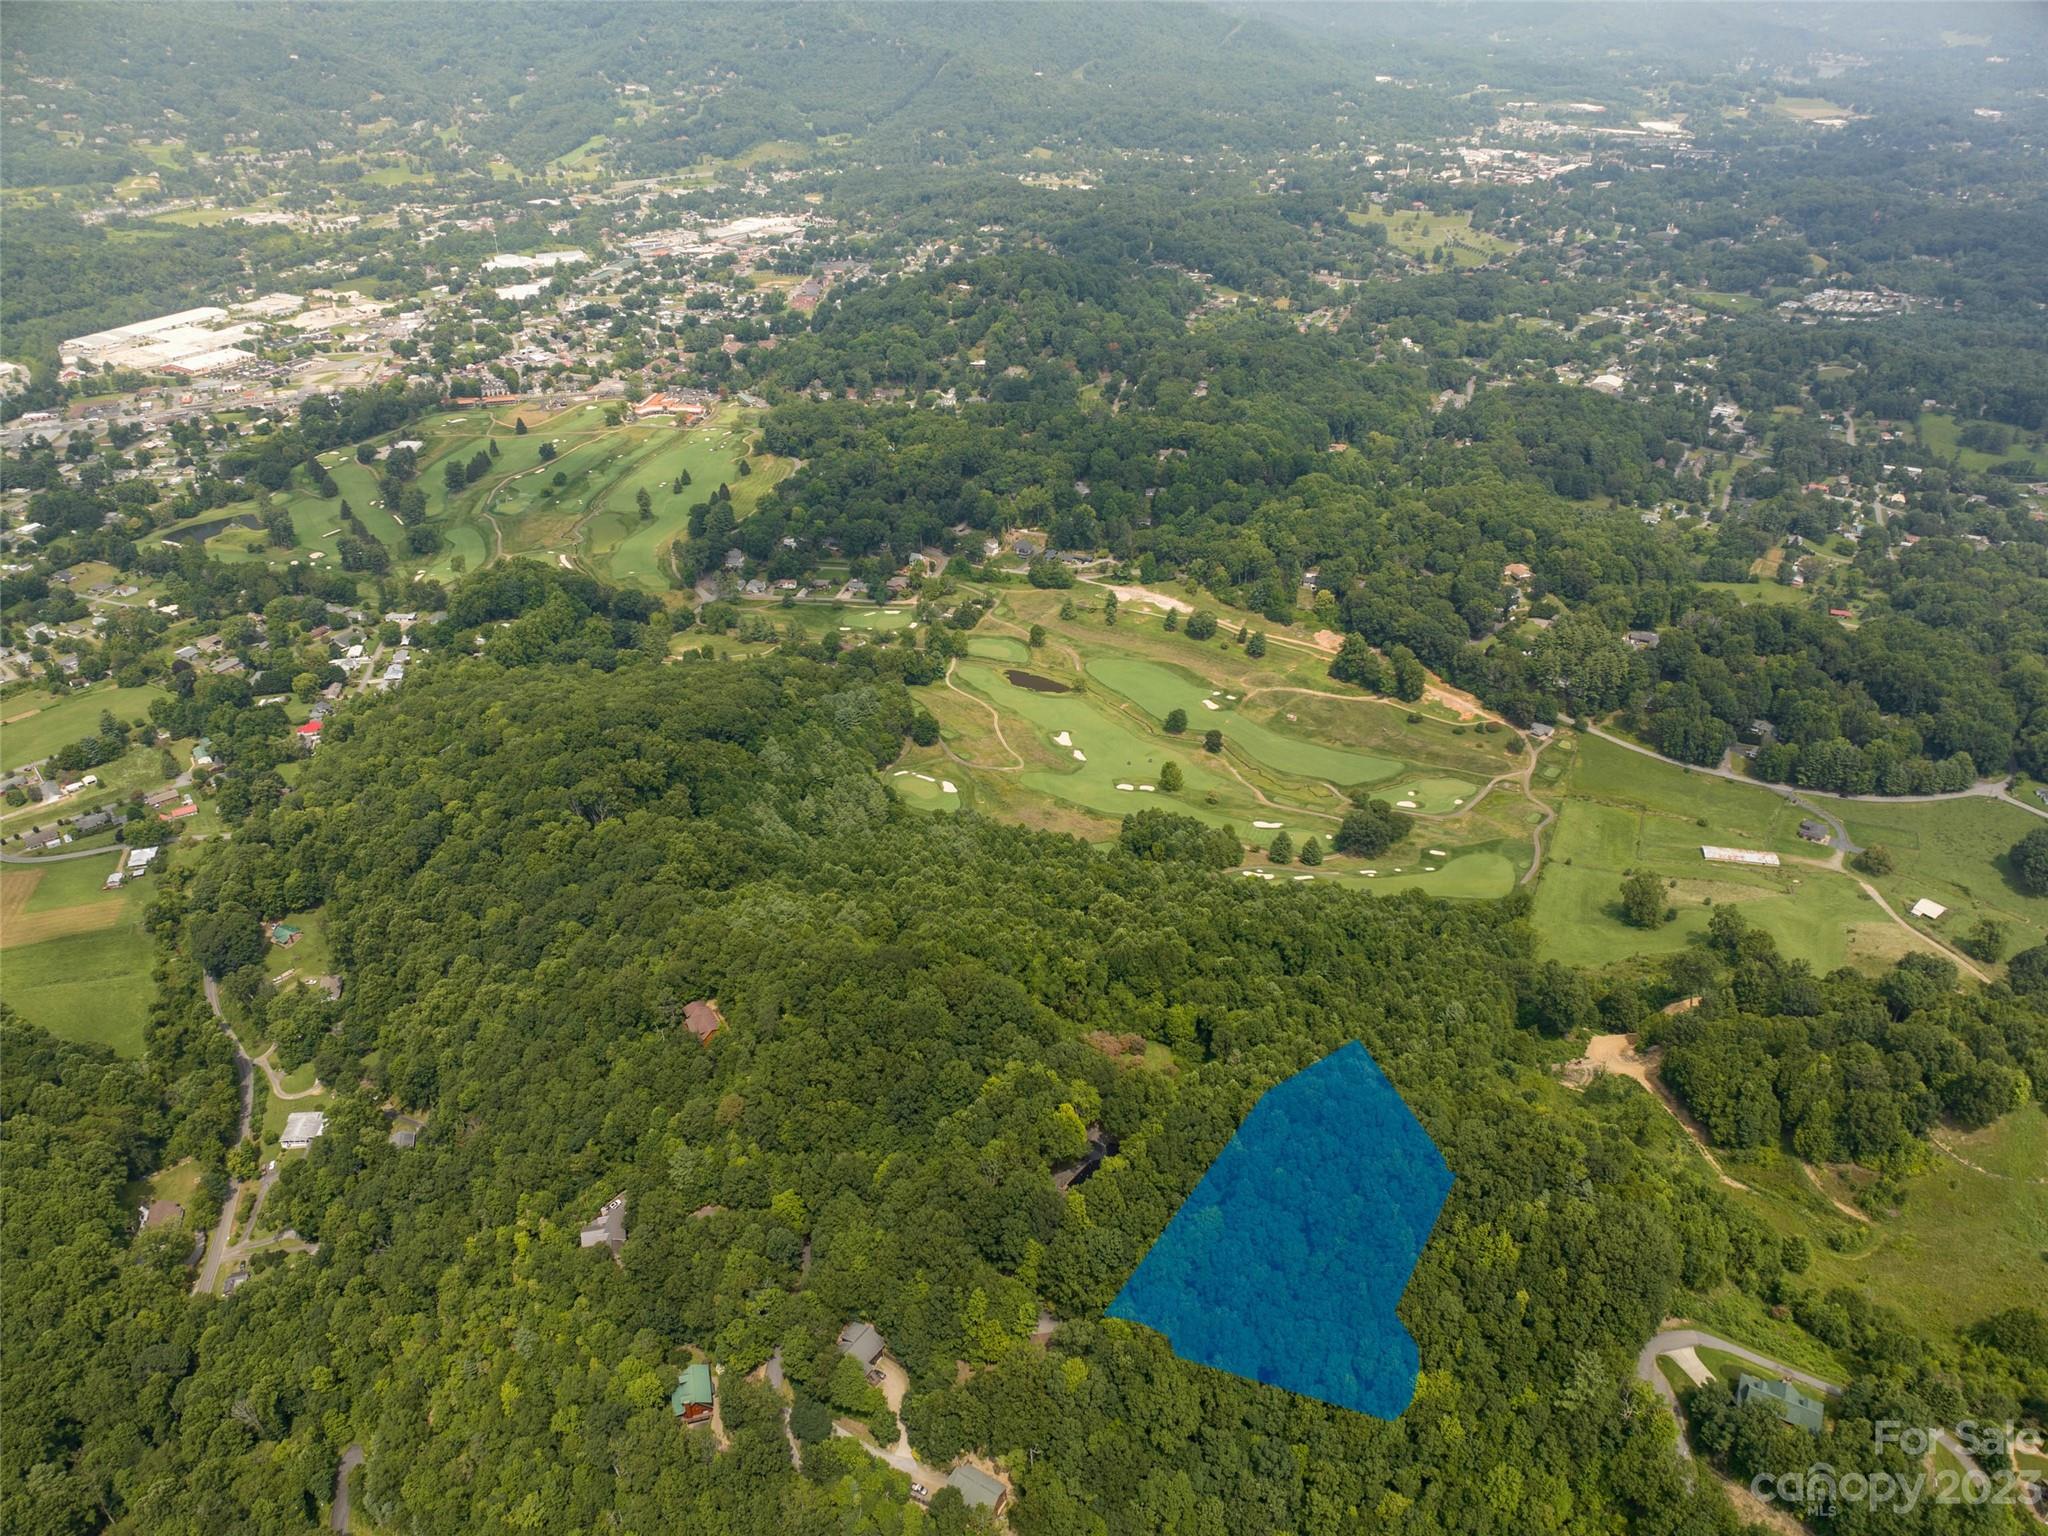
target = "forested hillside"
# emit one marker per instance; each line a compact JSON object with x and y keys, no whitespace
{"x":528,"y":871}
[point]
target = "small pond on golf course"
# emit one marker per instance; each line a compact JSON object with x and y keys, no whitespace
{"x":1034,"y":682}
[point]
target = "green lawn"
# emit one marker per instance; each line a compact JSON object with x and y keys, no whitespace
{"x":927,"y":789}
{"x":1117,"y":750}
{"x":1158,"y":689}
{"x":93,"y":986}
{"x":1767,"y":593}
{"x":1620,"y":811}
{"x":1938,"y":431}
{"x":33,"y":725}
{"x":310,"y":956}
{"x":1421,"y":233}
{"x":999,"y":648}
{"x":1964,"y":1244}
{"x":1954,"y":852}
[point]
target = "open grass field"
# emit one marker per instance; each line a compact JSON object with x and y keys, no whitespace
{"x":1967,"y":1242}
{"x":33,"y":725}
{"x":1937,"y":431}
{"x":1806,"y":109}
{"x":73,"y":957}
{"x":999,"y":648}
{"x":1954,"y":852}
{"x":310,"y":956}
{"x":1619,"y":810}
{"x":927,"y":790}
{"x":1422,"y":234}
{"x":1763,"y":593}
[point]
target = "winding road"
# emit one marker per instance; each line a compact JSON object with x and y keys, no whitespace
{"x":1983,"y":789}
{"x":217,"y":1244}
{"x":1673,"y":1340}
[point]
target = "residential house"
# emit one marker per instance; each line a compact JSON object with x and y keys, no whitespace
{"x":703,"y":1020}
{"x":1783,"y":1399}
{"x":691,"y":1401}
{"x":302,"y":1128}
{"x":609,"y":1230}
{"x":161,"y":1213}
{"x":862,"y":1342}
{"x":977,"y":1488}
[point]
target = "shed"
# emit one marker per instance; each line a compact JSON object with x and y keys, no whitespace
{"x":1933,"y":911}
{"x":691,"y":1400}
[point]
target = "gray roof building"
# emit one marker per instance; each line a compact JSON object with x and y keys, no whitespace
{"x":862,"y":1342}
{"x":979,"y":1489}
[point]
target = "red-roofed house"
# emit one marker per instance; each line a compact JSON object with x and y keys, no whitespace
{"x":704,"y":1020}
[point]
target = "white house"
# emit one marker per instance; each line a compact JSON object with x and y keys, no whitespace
{"x":302,"y":1129}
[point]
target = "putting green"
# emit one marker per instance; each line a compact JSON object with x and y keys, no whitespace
{"x":1158,"y":690}
{"x":1434,"y":794}
{"x":998,"y":648}
{"x":926,"y":791}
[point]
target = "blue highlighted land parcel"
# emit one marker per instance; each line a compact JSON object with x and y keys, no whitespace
{"x":1287,"y":1262}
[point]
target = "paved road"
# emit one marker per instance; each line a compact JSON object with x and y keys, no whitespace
{"x":1983,"y":789}
{"x":1673,"y":1339}
{"x":59,"y":858}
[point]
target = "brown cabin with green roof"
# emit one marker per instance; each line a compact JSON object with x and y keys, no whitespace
{"x":692,"y":1399}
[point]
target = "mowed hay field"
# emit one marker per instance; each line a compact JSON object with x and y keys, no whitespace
{"x":1619,"y":810}
{"x":33,"y":725}
{"x":73,"y":957}
{"x":1954,"y":852}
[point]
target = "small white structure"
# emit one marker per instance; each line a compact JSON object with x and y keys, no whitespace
{"x":1754,"y":856}
{"x":138,"y":859}
{"x":1933,"y":911}
{"x":302,"y":1128}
